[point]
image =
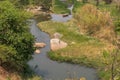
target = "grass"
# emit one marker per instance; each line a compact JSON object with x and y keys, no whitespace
{"x":79,"y":46}
{"x":81,"y":49}
{"x":59,"y":7}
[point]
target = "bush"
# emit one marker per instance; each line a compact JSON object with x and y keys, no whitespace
{"x":6,"y":54}
{"x":14,"y":33}
{"x":117,"y":25}
{"x":92,"y":21}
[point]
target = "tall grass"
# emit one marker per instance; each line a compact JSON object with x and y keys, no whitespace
{"x":96,"y":23}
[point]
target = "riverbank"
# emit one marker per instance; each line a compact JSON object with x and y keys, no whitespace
{"x":58,"y":7}
{"x":49,"y":69}
{"x":81,"y":49}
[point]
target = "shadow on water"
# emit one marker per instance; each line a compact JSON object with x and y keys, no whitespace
{"x":52,"y":70}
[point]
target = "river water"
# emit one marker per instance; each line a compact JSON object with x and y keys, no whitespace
{"x":52,"y":70}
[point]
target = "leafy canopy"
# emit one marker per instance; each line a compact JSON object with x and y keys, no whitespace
{"x":15,"y":39}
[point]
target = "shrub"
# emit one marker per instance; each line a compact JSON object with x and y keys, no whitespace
{"x":94,"y":22}
{"x":14,"y":32}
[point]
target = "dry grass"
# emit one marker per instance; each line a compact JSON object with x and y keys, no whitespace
{"x":95,"y":23}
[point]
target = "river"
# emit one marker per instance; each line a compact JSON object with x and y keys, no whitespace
{"x":53,"y":70}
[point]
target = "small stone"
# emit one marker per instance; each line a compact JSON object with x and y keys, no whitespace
{"x":37,"y":51}
{"x":39,"y":45}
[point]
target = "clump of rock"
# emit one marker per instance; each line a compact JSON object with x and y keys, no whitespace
{"x":38,"y":46}
{"x":56,"y":43}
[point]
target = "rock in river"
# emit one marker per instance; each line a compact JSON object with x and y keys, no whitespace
{"x":39,"y":45}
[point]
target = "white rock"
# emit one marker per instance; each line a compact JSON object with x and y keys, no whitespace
{"x":37,"y":51}
{"x":57,"y":44}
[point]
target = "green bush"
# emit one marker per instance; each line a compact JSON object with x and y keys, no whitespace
{"x":6,"y":54}
{"x":14,"y":33}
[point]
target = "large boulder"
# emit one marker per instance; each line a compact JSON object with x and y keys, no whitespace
{"x":39,"y":45}
{"x":57,"y":44}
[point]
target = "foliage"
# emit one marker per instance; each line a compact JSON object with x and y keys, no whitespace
{"x":44,"y":3}
{"x":6,"y":54}
{"x":59,"y":7}
{"x":15,"y":34}
{"x":92,"y":21}
{"x":21,"y":3}
{"x":80,"y":49}
{"x":112,"y":65}
{"x":117,"y":24}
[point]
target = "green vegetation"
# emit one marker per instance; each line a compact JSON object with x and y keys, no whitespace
{"x":13,"y":22}
{"x":90,"y":36}
{"x":109,"y":8}
{"x":59,"y":7}
{"x":90,"y":21}
{"x":83,"y":49}
{"x":46,"y":4}
{"x":16,"y":42}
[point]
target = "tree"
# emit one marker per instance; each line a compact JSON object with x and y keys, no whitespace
{"x":14,"y":32}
